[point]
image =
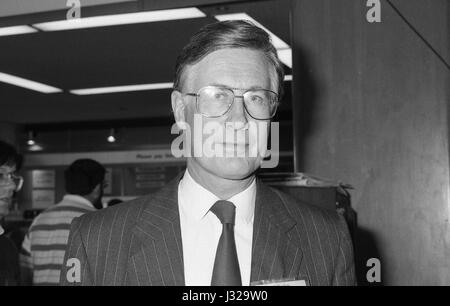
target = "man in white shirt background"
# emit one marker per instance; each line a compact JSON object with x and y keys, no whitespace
{"x":44,"y":245}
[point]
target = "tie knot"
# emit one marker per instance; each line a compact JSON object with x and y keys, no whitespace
{"x":225,"y":211}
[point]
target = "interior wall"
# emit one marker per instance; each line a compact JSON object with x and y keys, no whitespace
{"x":370,"y":106}
{"x":9,"y":132}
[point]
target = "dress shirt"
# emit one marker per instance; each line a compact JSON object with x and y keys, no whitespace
{"x":201,"y":230}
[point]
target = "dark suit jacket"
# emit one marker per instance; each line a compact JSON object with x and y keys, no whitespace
{"x":9,"y":262}
{"x":139,"y":242}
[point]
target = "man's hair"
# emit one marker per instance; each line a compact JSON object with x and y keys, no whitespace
{"x":83,"y":175}
{"x":9,"y":156}
{"x":227,"y":35}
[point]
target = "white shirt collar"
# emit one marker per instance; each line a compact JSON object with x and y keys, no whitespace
{"x":197,"y":200}
{"x":78,"y":199}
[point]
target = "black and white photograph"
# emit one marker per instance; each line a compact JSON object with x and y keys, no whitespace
{"x":206,"y":144}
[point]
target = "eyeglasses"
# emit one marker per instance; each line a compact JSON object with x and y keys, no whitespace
{"x":215,"y":101}
{"x":6,"y":178}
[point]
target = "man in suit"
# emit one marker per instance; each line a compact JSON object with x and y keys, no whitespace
{"x":216,"y":223}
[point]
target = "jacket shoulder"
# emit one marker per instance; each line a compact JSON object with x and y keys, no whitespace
{"x":121,"y":215}
{"x":325,"y":239}
{"x":309,"y":215}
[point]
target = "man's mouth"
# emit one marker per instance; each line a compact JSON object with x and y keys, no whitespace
{"x":235,"y":144}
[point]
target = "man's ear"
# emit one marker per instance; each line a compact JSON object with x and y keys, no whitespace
{"x":96,"y":191}
{"x":178,"y":108}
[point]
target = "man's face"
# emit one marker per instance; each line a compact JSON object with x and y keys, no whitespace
{"x":239,"y":70}
{"x":6,"y":191}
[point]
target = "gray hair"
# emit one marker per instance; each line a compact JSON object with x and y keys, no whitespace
{"x":225,"y":35}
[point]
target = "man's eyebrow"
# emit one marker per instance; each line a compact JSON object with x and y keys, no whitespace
{"x":226,"y":86}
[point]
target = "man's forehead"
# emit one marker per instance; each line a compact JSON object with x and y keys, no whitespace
{"x":233,"y":55}
{"x":247,"y":63}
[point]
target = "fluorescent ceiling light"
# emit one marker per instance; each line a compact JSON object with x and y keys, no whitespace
{"x":118,"y":19}
{"x":104,"y":90}
{"x":21,"y":82}
{"x":277,"y":42}
{"x":15,"y":30}
{"x":288,"y":78}
{"x":285,"y":56}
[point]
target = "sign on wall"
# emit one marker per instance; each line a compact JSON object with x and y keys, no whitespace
{"x":43,"y":178}
{"x":42,"y":199}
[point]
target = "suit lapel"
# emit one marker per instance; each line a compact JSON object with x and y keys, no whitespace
{"x":156,"y":247}
{"x":157,"y":253}
{"x":276,"y":252}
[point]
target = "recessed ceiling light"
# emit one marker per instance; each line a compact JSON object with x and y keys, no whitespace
{"x":28,"y":84}
{"x":30,"y":140}
{"x":113,"y":89}
{"x":15,"y":30}
{"x":288,"y":78}
{"x":112,"y":136}
{"x":118,"y":19}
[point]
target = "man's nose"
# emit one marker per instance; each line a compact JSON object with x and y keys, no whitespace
{"x":237,"y":112}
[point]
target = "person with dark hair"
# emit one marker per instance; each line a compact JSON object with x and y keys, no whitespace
{"x":216,"y":223}
{"x":113,"y":202}
{"x":44,"y":245}
{"x":10,"y":182}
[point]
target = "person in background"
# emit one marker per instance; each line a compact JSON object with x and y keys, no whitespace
{"x":113,"y":202}
{"x":44,"y":245}
{"x":10,"y":182}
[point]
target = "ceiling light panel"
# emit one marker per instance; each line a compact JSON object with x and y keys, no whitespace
{"x":16,"y":30}
{"x":126,"y":88}
{"x":120,"y":19}
{"x":28,"y":84}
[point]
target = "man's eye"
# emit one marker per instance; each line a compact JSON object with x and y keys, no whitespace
{"x":220,"y":96}
{"x":257,"y":99}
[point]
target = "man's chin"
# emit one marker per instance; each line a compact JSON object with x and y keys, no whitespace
{"x":235,"y":168}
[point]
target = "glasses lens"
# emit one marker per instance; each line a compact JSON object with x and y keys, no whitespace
{"x":9,"y":178}
{"x":261,"y":104}
{"x":214,"y":101}
{"x":18,"y":181}
{"x":4,"y":178}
